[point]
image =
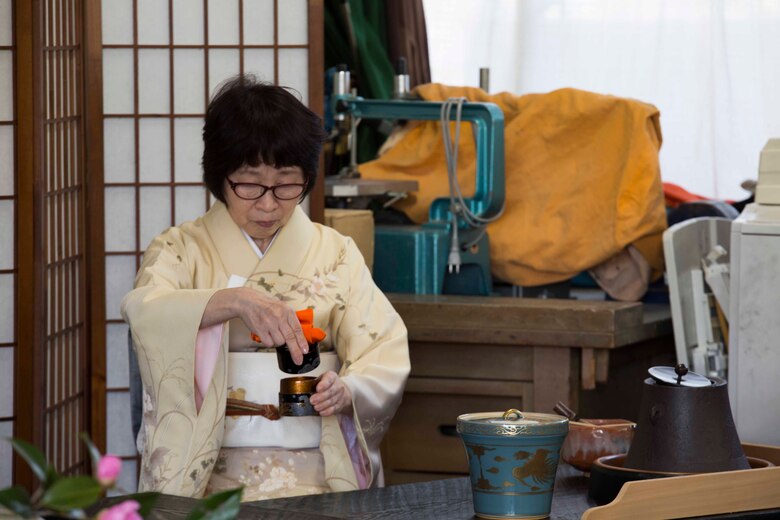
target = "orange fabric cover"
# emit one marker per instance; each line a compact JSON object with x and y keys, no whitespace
{"x":582,"y":179}
{"x":311,"y":333}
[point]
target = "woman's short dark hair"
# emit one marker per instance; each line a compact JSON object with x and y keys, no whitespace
{"x":249,"y":122}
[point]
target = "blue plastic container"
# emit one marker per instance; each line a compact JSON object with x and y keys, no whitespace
{"x":512,"y":458}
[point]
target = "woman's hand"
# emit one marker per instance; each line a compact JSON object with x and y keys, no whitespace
{"x":273,"y":321}
{"x":332,"y":395}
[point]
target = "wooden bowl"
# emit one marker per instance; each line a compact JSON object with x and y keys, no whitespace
{"x":587,"y":441}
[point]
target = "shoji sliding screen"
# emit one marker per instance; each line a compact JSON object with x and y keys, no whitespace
{"x":64,"y":247}
{"x":51,"y":378}
{"x":162,"y":59}
{"x":7,"y":238}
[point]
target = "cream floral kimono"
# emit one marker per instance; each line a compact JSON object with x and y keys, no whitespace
{"x":308,"y":265}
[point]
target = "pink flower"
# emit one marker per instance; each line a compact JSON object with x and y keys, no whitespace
{"x":108,"y":469}
{"x":127,"y":510}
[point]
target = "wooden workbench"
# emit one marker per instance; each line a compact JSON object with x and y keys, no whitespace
{"x":476,"y":354}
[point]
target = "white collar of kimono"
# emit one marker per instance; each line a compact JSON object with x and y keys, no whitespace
{"x":255,"y":248}
{"x":291,"y":243}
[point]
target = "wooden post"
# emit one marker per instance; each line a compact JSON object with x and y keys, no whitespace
{"x":552,"y":378}
{"x":29,"y":383}
{"x":92,"y":151}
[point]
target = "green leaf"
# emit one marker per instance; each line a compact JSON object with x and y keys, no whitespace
{"x":32,"y":456}
{"x":146,"y":500}
{"x":94,"y":454}
{"x":72,"y":493}
{"x":219,"y":506}
{"x":51,"y":476}
{"x":17,"y":500}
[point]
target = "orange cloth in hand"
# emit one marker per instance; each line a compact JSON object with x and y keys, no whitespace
{"x":313,"y":334}
{"x":310,"y":332}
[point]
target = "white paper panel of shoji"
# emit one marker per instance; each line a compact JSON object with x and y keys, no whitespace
{"x":293,"y":23}
{"x":187,"y":22}
{"x":153,"y":81}
{"x":6,"y":86}
{"x":7,"y":234}
{"x":223,"y":63}
{"x":52,"y":215}
{"x":50,"y":297}
{"x":118,"y":81}
{"x":294,"y":71}
{"x":260,"y":62}
{"x":119,"y":219}
{"x":259,"y":22}
{"x":152,"y":22}
{"x":6,"y":381}
{"x":127,"y":481}
{"x":190,"y":203}
{"x":117,"y":25}
{"x":119,"y":433}
{"x":154,"y":149}
{"x":188,"y":146}
{"x":6,"y":160}
{"x":119,"y":149}
{"x":6,"y":453}
{"x":6,"y":34}
{"x":189,"y":80}
{"x":7,"y":307}
{"x":223,"y":22}
{"x":117,"y":375}
{"x":120,"y":273}
{"x":155,"y":213}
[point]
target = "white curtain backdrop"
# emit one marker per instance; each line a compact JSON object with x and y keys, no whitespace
{"x":712,"y":67}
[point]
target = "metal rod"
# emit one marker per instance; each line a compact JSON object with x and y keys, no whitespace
{"x":484,"y":79}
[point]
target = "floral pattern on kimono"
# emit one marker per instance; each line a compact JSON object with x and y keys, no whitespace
{"x":309,"y":265}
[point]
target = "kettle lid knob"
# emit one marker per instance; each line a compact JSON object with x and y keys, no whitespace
{"x":680,"y":369}
{"x":678,"y":375}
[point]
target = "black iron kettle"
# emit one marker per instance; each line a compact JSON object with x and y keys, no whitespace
{"x":685,"y":425}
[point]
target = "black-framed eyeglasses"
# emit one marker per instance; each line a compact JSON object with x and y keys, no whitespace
{"x":251,"y":191}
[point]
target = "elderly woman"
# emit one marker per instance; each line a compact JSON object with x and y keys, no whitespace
{"x":243,"y":269}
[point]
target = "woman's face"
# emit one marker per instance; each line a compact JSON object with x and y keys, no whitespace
{"x":261,"y":218}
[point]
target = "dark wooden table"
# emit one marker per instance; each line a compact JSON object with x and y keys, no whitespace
{"x":448,"y":499}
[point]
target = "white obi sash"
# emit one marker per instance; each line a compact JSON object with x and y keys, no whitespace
{"x":258,"y":375}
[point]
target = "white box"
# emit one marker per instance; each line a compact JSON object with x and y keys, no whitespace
{"x":754,"y":335}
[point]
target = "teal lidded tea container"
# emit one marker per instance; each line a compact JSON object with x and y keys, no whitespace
{"x":513,"y":457}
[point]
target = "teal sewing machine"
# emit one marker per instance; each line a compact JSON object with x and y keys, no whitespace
{"x":449,"y":254}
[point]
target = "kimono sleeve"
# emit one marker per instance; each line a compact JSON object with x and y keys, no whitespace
{"x":164,"y":305}
{"x":164,"y":312}
{"x":373,"y":339}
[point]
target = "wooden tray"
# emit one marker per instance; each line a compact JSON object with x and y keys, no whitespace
{"x":699,"y":495}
